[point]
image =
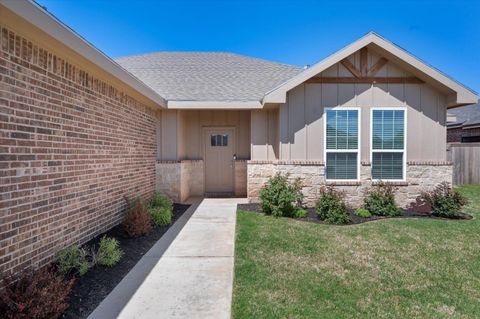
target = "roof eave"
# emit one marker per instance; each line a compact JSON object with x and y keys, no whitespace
{"x":208,"y":105}
{"x":460,"y":96}
{"x":45,"y":21}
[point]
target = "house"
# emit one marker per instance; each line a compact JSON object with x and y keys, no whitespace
{"x":79,"y":130}
{"x":464,"y":127}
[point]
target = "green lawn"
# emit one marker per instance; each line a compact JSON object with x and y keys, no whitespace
{"x":396,"y":268}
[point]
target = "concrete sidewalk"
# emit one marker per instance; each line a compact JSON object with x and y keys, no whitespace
{"x":188,"y":273}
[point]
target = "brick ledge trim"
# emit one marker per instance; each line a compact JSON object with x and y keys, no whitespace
{"x":429,"y":163}
{"x":178,"y":161}
{"x":320,"y":163}
{"x":303,"y":163}
{"x":192,"y":161}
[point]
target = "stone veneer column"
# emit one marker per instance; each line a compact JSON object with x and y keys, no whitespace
{"x":168,"y":176}
{"x":192,"y":179}
{"x":240,"y":178}
{"x":180,"y":180}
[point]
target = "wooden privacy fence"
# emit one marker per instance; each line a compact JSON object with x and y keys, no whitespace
{"x":466,"y":162}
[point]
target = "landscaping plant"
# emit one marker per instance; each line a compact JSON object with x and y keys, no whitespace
{"x":362,"y":212}
{"x":445,"y":201}
{"x":160,"y":216}
{"x":380,"y":200}
{"x":109,"y":252}
{"x":137,"y":222}
{"x":331,"y":206}
{"x":161,"y":201}
{"x":73,"y":260}
{"x":160,"y":209}
{"x":279,"y":197}
{"x":39,"y":294}
{"x":300,"y":213}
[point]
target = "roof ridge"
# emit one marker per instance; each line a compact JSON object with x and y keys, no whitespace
{"x":208,"y":52}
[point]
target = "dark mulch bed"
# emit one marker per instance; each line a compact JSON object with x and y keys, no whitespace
{"x":313,"y":218}
{"x":90,"y":289}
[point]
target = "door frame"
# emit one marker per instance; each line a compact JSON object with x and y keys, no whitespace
{"x":204,"y":150}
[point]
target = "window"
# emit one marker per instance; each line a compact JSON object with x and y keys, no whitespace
{"x":342,"y":144}
{"x":388,"y":144}
{"x":219,"y":140}
{"x":470,"y":139}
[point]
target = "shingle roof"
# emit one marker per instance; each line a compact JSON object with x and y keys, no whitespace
{"x":466,"y":115}
{"x":207,"y":76}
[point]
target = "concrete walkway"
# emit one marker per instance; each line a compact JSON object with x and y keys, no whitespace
{"x":188,"y":273}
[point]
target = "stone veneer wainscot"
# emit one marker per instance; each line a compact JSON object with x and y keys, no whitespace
{"x":182,"y":179}
{"x":420,"y":176}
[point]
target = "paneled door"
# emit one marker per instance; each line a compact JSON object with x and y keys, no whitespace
{"x":219,"y":161}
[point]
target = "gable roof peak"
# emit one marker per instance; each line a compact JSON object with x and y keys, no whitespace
{"x":458,"y":94}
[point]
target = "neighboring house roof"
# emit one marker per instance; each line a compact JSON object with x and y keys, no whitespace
{"x":465,"y":116}
{"x":459,"y":94}
{"x":208,"y":76}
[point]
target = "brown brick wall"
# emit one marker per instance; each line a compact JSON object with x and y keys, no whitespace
{"x":455,"y":134}
{"x":70,"y":147}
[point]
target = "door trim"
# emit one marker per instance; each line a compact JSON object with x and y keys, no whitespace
{"x":234,"y":139}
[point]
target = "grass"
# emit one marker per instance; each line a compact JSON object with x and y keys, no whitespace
{"x":396,"y":268}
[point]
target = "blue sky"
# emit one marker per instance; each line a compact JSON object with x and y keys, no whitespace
{"x":446,"y":34}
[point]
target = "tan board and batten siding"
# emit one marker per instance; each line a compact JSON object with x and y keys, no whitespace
{"x":181,"y":132}
{"x":302,"y":124}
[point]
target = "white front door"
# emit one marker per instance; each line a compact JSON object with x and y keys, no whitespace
{"x":219,"y":152}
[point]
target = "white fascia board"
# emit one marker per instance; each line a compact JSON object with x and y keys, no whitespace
{"x":462,"y":94}
{"x":206,"y":105}
{"x":45,"y":21}
{"x":278,"y":94}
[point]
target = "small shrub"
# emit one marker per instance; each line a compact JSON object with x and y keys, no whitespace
{"x":137,"y":222}
{"x":73,"y":260}
{"x":300,"y":213}
{"x":35,"y":294}
{"x":331,"y":207}
{"x":362,"y":212}
{"x":109,"y":252}
{"x":380,"y":200}
{"x":445,"y":201}
{"x":280,"y":197}
{"x":161,"y":201}
{"x":161,"y":216}
{"x":160,"y":209}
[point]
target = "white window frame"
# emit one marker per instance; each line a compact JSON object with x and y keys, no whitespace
{"x":405,"y":140}
{"x":325,"y":151}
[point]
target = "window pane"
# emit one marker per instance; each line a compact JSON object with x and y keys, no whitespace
{"x":225,"y":140}
{"x":219,"y":140}
{"x":388,"y":129}
{"x":398,"y":133}
{"x":213,"y":140}
{"x":342,"y":129}
{"x":387,"y":165}
{"x":331,"y":129}
{"x":341,"y":166}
